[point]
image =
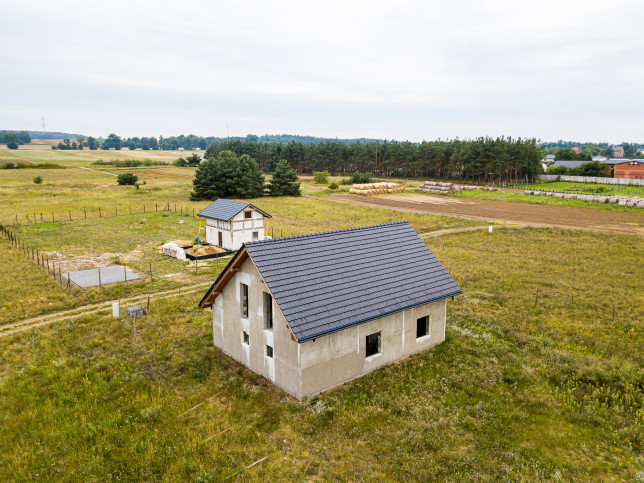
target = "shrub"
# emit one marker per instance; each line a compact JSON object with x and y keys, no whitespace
{"x":321,"y":177}
{"x":333,"y":186}
{"x":38,"y":179}
{"x":346,"y":181}
{"x":12,"y":145}
{"x":9,"y":166}
{"x":127,"y":179}
{"x":361,"y":178}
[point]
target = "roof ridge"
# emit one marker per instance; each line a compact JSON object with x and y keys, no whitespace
{"x":323,"y":233}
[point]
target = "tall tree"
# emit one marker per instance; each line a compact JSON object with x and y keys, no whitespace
{"x":249,"y":180}
{"x":284,"y":181}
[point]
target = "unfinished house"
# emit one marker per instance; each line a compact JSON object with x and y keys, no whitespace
{"x":230,"y":223}
{"x":311,"y":312}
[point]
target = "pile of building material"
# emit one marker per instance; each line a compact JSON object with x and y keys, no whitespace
{"x":376,"y":189}
{"x":173,"y":250}
{"x":438,"y":187}
{"x":636,"y":201}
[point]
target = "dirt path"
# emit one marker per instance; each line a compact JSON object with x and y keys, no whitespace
{"x":508,"y":212}
{"x":33,"y":322}
{"x":97,"y":170}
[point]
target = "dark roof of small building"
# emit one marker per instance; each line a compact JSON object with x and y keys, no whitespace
{"x":225,"y":210}
{"x":569,"y":164}
{"x":326,"y":282}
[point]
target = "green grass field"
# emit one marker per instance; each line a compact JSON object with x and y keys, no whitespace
{"x":540,"y":379}
{"x":540,"y":200}
{"x":590,"y":188}
{"x":541,"y":376}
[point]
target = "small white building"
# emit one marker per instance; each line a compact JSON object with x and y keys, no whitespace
{"x":230,"y":223}
{"x":311,"y":312}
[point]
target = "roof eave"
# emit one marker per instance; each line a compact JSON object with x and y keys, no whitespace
{"x":203,"y":303}
{"x":339,"y":329}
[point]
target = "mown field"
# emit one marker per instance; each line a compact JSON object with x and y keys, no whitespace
{"x":541,"y":378}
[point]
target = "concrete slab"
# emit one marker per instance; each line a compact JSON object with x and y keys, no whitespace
{"x":90,"y":278}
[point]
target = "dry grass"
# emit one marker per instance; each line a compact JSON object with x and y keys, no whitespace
{"x":516,"y":392}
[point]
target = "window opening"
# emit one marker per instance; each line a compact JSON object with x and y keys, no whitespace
{"x":422,"y":327}
{"x":373,"y":344}
{"x":244,"y":300}
{"x":269,"y":351}
{"x":245,"y":337}
{"x":268,"y":311}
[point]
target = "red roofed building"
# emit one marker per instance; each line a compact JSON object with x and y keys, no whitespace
{"x":632,"y":169}
{"x":576,"y":150}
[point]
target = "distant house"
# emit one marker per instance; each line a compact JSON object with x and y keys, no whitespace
{"x":618,"y":151}
{"x":632,"y":169}
{"x":576,"y":150}
{"x":601,"y":159}
{"x":231,"y":223}
{"x":311,"y":312}
{"x":548,"y":158}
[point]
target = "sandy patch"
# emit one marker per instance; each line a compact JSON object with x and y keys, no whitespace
{"x":204,"y":250}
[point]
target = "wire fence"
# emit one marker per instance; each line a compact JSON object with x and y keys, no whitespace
{"x":53,"y":266}
{"x":99,"y":213}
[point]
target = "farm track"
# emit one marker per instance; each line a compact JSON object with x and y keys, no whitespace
{"x":34,"y":322}
{"x":97,"y":170}
{"x":527,"y":214}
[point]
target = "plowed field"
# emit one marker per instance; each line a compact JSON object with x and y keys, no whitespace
{"x":508,"y":212}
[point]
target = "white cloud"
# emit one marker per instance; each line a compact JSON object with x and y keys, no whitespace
{"x":407,"y":70}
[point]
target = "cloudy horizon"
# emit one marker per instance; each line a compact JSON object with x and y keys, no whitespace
{"x":407,"y":70}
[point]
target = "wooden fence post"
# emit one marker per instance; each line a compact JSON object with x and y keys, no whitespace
{"x":99,"y":213}
{"x":124,"y":274}
{"x":99,"y":276}
{"x":85,"y":211}
{"x":150,"y":270}
{"x":70,"y":216}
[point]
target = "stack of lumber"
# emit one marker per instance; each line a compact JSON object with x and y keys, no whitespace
{"x":438,"y":187}
{"x":636,"y":201}
{"x":376,"y":189}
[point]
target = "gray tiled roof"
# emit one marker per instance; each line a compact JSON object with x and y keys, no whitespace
{"x":326,"y":282}
{"x":225,"y":210}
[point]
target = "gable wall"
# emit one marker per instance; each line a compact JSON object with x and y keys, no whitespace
{"x":236,"y":231}
{"x":228,"y":325}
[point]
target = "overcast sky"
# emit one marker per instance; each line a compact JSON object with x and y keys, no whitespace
{"x":381,"y":69}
